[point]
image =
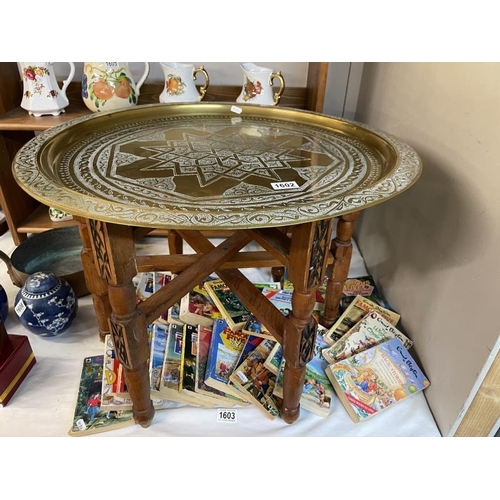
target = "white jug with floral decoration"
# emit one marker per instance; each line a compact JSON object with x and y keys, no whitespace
{"x":41,"y":92}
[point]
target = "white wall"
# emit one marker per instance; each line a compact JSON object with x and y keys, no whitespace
{"x":435,"y":248}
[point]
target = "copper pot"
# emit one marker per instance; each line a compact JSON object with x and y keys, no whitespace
{"x":57,"y":251}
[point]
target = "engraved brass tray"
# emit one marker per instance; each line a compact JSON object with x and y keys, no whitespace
{"x":214,"y":165}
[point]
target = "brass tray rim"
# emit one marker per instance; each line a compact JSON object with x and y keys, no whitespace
{"x":405,"y":157}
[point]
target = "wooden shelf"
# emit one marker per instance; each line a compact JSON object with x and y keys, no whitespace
{"x":39,"y":221}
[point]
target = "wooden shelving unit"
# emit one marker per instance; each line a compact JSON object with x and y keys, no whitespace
{"x":23,"y":214}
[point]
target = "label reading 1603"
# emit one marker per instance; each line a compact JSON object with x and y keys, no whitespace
{"x":227,"y":416}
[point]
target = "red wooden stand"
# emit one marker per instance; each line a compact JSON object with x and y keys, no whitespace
{"x":16,"y":360}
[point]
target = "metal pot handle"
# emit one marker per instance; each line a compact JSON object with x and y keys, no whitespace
{"x":10,"y":269}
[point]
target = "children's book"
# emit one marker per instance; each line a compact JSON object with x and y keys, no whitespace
{"x":273,"y":361}
{"x":88,"y":417}
{"x":171,"y":372}
{"x":364,"y":286}
{"x":375,"y":379}
{"x":255,"y":382}
{"x":317,"y":392}
{"x":229,"y":305}
{"x":189,"y":353}
{"x":203,"y":347}
{"x":170,"y":386}
{"x":197,"y":307}
{"x":225,"y":349}
{"x":161,"y":278}
{"x":145,"y":288}
{"x":114,"y":394}
{"x":371,"y":330}
{"x":158,"y":346}
{"x":355,"y":312}
{"x":254,"y":326}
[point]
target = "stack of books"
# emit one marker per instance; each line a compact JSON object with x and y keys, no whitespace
{"x":213,"y":352}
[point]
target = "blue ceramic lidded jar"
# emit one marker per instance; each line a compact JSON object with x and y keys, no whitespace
{"x":46,"y":305}
{"x":4,"y":304}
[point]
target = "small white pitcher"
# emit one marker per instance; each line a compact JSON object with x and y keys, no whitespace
{"x":180,"y":82}
{"x":108,"y":86}
{"x":41,"y":92}
{"x":258,"y":85}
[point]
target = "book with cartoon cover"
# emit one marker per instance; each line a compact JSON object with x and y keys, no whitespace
{"x":197,"y":306}
{"x":204,"y":338}
{"x":256,"y":382}
{"x":225,"y":349}
{"x":369,"y":331}
{"x":317,"y":392}
{"x":376,"y":379}
{"x":355,"y":312}
{"x":229,"y":305}
{"x":89,"y":417}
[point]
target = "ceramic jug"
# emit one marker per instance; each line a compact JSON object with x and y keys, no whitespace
{"x":108,"y":86}
{"x":180,"y":82}
{"x":258,"y":85}
{"x":41,"y":92}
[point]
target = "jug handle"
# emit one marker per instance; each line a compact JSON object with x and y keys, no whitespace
{"x":203,"y":88}
{"x":143,"y":78}
{"x":70,"y":77}
{"x":277,"y":95}
{"x":10,"y":269}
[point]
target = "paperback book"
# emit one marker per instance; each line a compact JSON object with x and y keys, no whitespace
{"x":364,"y":286}
{"x":376,"y":379}
{"x":158,"y":346}
{"x":317,"y":392}
{"x":355,"y":312}
{"x":88,"y":417}
{"x":255,"y":382}
{"x":225,"y":349}
{"x":369,"y":331}
{"x":229,"y":305}
{"x":203,"y":347}
{"x":197,"y":307}
{"x":161,"y":278}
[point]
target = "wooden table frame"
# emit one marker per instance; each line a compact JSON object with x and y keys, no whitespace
{"x":110,"y":263}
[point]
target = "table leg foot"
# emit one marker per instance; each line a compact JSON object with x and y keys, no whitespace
{"x":144,"y":417}
{"x":290,"y":415}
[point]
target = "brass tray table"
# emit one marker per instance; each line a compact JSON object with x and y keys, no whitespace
{"x":272,"y":175}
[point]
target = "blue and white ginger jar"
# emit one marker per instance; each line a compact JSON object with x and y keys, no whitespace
{"x":46,"y":305}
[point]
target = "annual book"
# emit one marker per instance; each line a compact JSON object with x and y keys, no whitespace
{"x":376,"y":379}
{"x":89,"y":417}
{"x":158,"y":346}
{"x":364,"y":286}
{"x":369,"y":331}
{"x":256,"y":382}
{"x":356,"y":311}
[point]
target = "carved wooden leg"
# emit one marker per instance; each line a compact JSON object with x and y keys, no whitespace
{"x":341,"y":248}
{"x":114,"y":251}
{"x":96,"y":285}
{"x":308,"y":251}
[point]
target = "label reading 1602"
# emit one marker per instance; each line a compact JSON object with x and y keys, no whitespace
{"x":227,"y":416}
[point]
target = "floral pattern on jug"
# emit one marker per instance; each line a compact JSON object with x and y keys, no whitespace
{"x":251,"y":89}
{"x":109,"y":86}
{"x":174,"y":85}
{"x":41,"y":92}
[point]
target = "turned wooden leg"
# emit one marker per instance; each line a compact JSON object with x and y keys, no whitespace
{"x":114,"y":251}
{"x":96,"y":285}
{"x":308,"y":252}
{"x":341,"y":249}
